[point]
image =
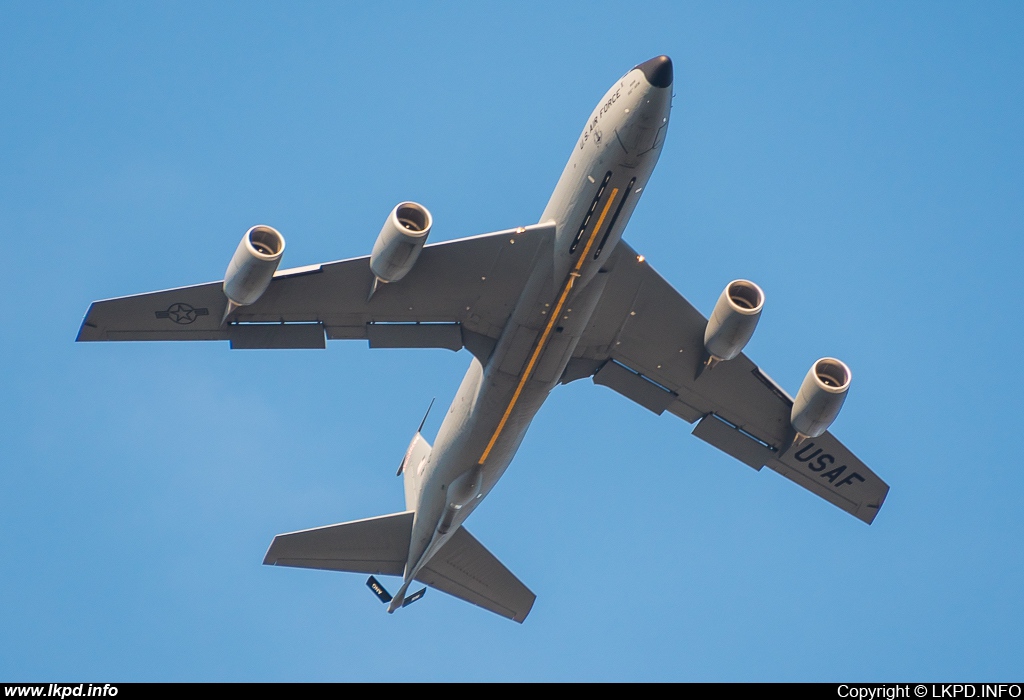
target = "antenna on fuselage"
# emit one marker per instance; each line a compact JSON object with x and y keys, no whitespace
{"x":424,"y":421}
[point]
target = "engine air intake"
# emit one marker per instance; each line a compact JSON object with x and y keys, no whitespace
{"x":400,"y":241}
{"x":733,"y":321}
{"x":746,"y":295}
{"x":412,"y":217}
{"x":821,"y":397}
{"x":266,"y":241}
{"x":832,"y":373}
{"x":252,"y":267}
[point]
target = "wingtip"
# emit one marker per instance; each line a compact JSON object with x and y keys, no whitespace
{"x":268,"y":558}
{"x":86,"y":327}
{"x":87,"y":332}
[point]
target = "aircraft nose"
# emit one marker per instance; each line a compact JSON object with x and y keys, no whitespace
{"x":658,"y":71}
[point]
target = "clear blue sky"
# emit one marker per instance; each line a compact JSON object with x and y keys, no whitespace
{"x":863,"y":162}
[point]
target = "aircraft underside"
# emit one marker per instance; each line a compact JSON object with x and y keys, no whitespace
{"x":559,"y":301}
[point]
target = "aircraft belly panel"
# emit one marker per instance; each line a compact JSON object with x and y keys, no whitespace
{"x":516,"y":350}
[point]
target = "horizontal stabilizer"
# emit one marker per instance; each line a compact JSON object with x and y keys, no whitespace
{"x":465,"y":569}
{"x":373,"y":546}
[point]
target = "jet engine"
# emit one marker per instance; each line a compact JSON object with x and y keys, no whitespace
{"x":400,"y":241}
{"x":253,"y":265}
{"x":733,"y":321}
{"x":821,"y":396}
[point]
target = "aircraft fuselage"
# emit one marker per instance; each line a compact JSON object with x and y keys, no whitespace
{"x":499,"y":396}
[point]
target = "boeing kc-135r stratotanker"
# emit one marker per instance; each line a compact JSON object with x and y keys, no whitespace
{"x":536,"y":306}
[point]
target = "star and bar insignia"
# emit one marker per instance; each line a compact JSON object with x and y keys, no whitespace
{"x":183,"y":314}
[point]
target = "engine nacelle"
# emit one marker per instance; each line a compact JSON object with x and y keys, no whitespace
{"x":821,"y":396}
{"x":400,"y":241}
{"x":734,"y":319}
{"x":253,"y":265}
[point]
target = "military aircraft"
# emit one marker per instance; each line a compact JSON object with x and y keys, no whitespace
{"x":536,"y":306}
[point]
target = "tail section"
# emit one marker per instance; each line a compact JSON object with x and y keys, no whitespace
{"x":462,"y":567}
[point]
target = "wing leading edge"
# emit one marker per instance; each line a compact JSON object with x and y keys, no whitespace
{"x":647,"y":343}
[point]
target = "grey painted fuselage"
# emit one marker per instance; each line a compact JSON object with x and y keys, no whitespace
{"x":499,"y":396}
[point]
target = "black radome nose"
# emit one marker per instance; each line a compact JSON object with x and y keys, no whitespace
{"x":658,"y":71}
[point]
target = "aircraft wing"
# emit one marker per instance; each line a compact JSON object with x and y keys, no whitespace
{"x":647,"y":343}
{"x":459,"y":293}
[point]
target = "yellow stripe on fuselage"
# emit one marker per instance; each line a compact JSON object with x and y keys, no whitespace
{"x":555,"y":313}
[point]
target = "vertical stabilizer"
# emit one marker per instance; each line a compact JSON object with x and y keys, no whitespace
{"x":412,"y":469}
